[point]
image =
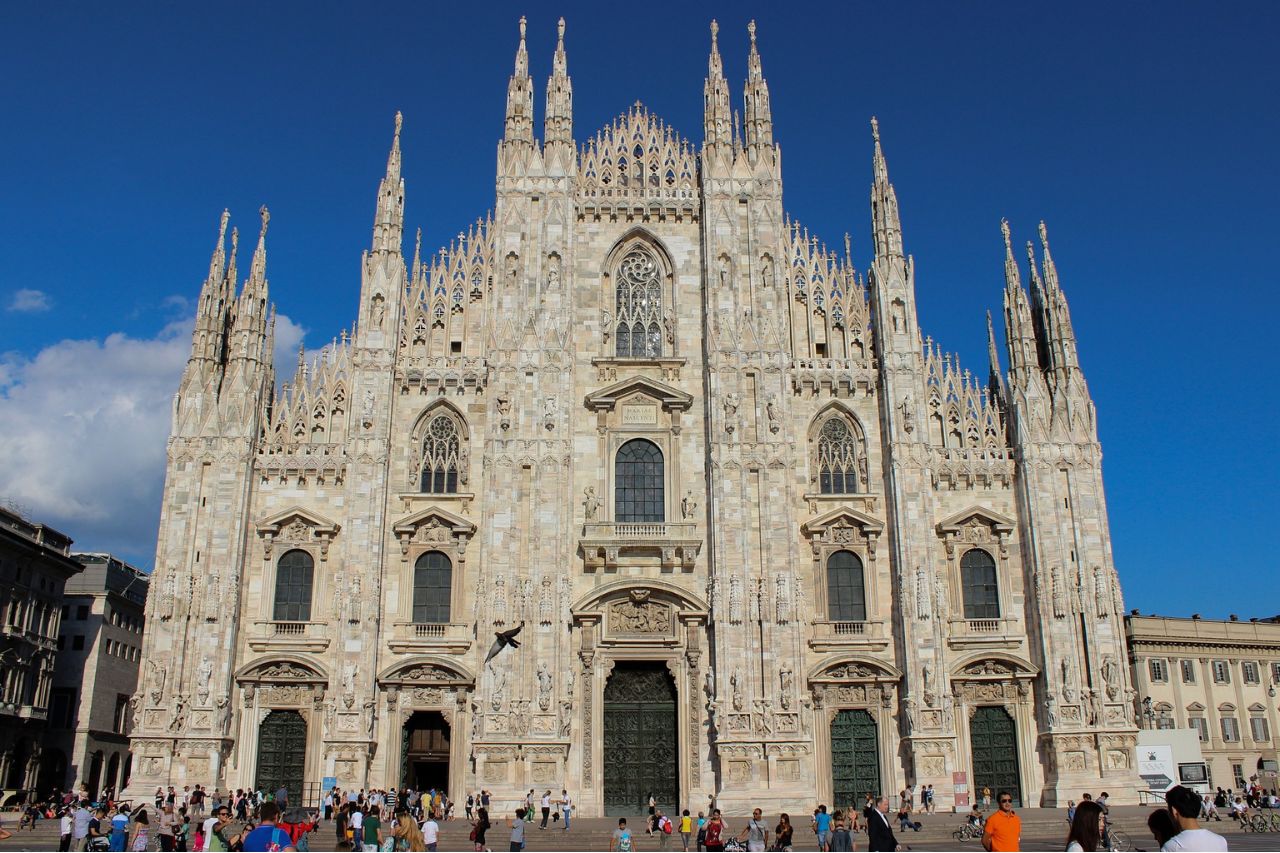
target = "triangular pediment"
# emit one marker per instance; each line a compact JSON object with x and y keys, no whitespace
{"x":843,"y":516}
{"x":281,"y":520}
{"x":956,"y":523}
{"x":607,"y":399}
{"x":433,"y":515}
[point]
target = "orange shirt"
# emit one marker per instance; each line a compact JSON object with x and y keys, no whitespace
{"x":1003,"y":831}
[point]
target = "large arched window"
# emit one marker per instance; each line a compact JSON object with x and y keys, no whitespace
{"x":638,"y":306}
{"x":638,"y":482}
{"x":440,"y":456}
{"x":978,"y":579}
{"x":846,"y":588}
{"x":294,"y":575}
{"x":837,"y":458}
{"x":432,"y":586}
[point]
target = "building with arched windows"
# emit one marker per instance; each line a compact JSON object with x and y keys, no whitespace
{"x":763,"y":540}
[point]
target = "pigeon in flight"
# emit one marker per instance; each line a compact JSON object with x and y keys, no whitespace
{"x":505,"y":638}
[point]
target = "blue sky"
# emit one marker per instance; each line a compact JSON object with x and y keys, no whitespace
{"x":1143,"y":133}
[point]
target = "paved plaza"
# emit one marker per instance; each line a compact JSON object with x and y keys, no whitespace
{"x":1043,"y":829}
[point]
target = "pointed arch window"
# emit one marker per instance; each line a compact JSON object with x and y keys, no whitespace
{"x":838,"y":472}
{"x":978,"y":579}
{"x":846,"y":588}
{"x":440,"y":456}
{"x":294,"y":576}
{"x":432,"y":588}
{"x":638,"y":306}
{"x":639,"y":490}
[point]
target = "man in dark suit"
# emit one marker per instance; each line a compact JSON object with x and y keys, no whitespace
{"x":879,"y":831}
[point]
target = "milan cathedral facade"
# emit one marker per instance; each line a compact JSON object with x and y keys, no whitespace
{"x":767,"y":543}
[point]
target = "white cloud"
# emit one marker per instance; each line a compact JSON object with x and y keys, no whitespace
{"x":83,"y":428}
{"x":28,"y":301}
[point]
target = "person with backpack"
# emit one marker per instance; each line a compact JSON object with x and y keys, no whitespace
{"x":621,"y":839}
{"x":664,"y":830}
{"x":480,"y":826}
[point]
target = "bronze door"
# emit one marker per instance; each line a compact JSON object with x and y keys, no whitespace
{"x":282,"y":754}
{"x":855,"y":759}
{"x":993,"y":740}
{"x":641,"y":740}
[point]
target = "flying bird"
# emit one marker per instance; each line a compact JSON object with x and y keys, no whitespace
{"x":505,"y":638}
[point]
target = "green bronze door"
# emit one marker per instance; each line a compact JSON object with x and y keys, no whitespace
{"x":993,"y":740}
{"x":640,"y":739}
{"x":855,"y":759}
{"x":282,"y":754}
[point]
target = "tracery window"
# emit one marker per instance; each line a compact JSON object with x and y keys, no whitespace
{"x":837,"y":458}
{"x":638,"y":483}
{"x":294,"y":574}
{"x":978,"y":579}
{"x":440,"y":456}
{"x":638,"y":306}
{"x":846,"y":588}
{"x":432,"y":588}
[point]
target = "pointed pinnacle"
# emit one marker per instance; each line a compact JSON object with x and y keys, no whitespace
{"x":1004,"y":229}
{"x":875,"y":129}
{"x":523,"y":24}
{"x":399,"y":123}
{"x":266,"y":218}
{"x":751,"y":31}
{"x":560,"y":34}
{"x":222,"y":226}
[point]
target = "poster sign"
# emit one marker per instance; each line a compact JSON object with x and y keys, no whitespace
{"x":1156,"y":767}
{"x":960,"y":784}
{"x":328,"y":783}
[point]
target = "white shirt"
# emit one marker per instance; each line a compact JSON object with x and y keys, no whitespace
{"x":64,"y":824}
{"x":566,"y":802}
{"x":430,"y":831}
{"x":1196,"y":839}
{"x":357,"y":820}
{"x":546,"y":801}
{"x":208,"y":829}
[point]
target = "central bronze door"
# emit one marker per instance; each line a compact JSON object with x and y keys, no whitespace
{"x":641,"y":740}
{"x":282,"y":754}
{"x":993,"y":739}
{"x":855,"y":759}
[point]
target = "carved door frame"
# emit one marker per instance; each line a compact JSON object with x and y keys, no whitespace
{"x":846,"y":684}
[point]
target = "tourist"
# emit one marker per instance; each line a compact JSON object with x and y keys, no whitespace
{"x":653,"y":807}
{"x":267,"y":836}
{"x":480,"y":825}
{"x":371,"y":831}
{"x":213,"y":828}
{"x":95,"y":829}
{"x":66,"y":826}
{"x":405,"y":833}
{"x":1088,"y":824}
{"x":165,"y":827}
{"x":621,"y":838}
{"x":756,"y":833}
{"x":879,"y":831}
{"x":664,"y":830}
{"x":471,"y":804}
{"x":1184,"y":808}
{"x":715,"y":832}
{"x":932,"y":802}
{"x":181,"y":831}
{"x":822,"y":827}
{"x":517,"y":828}
{"x":282,"y":798}
{"x":566,"y":805}
{"x":1071,"y":812}
{"x":80,"y":818}
{"x":841,"y":838}
{"x":1209,"y":810}
{"x":197,"y":804}
{"x":141,"y":831}
{"x":1162,"y":827}
{"x":546,"y":808}
{"x":986,"y":797}
{"x":119,"y":829}
{"x":702,"y":832}
{"x":1004,"y":828}
{"x":686,"y":829}
{"x":782,"y":833}
{"x":431,"y":832}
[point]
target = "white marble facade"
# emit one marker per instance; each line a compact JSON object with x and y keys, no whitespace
{"x":751,"y":359}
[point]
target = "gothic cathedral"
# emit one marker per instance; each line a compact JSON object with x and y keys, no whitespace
{"x":764,"y":543}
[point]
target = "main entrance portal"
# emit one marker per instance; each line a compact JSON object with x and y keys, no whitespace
{"x":993,"y":738}
{"x":640,"y":739}
{"x":425,"y":752}
{"x":282,"y":753}
{"x":855,"y":759}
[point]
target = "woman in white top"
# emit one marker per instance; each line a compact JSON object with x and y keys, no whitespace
{"x":1087,"y":827}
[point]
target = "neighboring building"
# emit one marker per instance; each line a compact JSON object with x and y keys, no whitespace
{"x":1219,"y":678}
{"x":35,"y":564}
{"x":766,"y":542}
{"x":99,"y":654}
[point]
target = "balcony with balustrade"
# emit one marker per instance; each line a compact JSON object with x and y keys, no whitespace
{"x":289,"y":636}
{"x":833,"y":636}
{"x":676,"y":543}
{"x":1002,"y":632}
{"x":430,"y":637}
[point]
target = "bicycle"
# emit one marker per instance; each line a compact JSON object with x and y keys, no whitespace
{"x":1255,"y":823}
{"x":966,"y":832}
{"x":1118,"y":840}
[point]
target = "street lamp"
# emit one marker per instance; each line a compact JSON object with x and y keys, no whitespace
{"x":1148,"y":712}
